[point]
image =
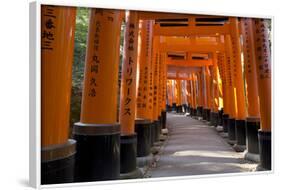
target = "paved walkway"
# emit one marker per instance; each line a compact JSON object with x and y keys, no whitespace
{"x":194,"y":148}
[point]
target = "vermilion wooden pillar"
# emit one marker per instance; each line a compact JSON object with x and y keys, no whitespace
{"x":239,"y":86}
{"x":144,"y":115}
{"x":193,"y":95}
{"x":143,"y":66}
{"x":204,"y":90}
{"x":156,"y":88}
{"x":57,"y":45}
{"x":207,"y":109}
{"x":231,"y":91}
{"x":128,"y":140}
{"x":160,"y":94}
{"x":174,"y":99}
{"x":185,"y":100}
{"x":164,"y":92}
{"x":170,"y":93}
{"x":98,"y":133}
{"x":189,"y":98}
{"x":253,"y":118}
{"x":200,"y":94}
{"x":225,"y":89}
{"x":215,"y":91}
{"x":195,"y":91}
{"x":263,"y":65}
{"x":179,"y":96}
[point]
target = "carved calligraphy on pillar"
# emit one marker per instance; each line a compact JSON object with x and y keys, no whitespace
{"x":262,"y":49}
{"x":129,"y":69}
{"x":48,"y":27}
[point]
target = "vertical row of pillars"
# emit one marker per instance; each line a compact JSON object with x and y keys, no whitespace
{"x":245,"y":89}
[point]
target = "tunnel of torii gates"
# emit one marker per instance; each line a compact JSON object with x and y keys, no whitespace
{"x":214,"y":67}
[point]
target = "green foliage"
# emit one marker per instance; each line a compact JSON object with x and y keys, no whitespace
{"x":81,"y":31}
{"x":82,"y":22}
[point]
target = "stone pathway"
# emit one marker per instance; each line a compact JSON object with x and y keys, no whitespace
{"x":195,"y":148}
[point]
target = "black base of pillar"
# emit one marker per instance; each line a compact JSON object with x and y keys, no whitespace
{"x":211,"y":118}
{"x":188,"y":109}
{"x":252,"y":128}
{"x":57,"y":163}
{"x":208,"y":114}
{"x":224,"y":123}
{"x":204,"y":114}
{"x":156,"y":130}
{"x":168,"y":108}
{"x":174,"y":107}
{"x":192,"y":112}
{"x":199,"y":111}
{"x":128,"y":157}
{"x":240,"y":131}
{"x":214,"y":118}
{"x":164,"y":119}
{"x":179,"y":109}
{"x":252,"y":157}
{"x":231,"y":131}
{"x":220,"y":119}
{"x":152,"y":133}
{"x":265,"y":149}
{"x":143,"y":130}
{"x":252,"y":143}
{"x":160,"y":125}
{"x":98,"y":152}
{"x":184,"y":108}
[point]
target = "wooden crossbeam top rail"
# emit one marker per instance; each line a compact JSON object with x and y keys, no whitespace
{"x":190,"y":30}
{"x":143,"y":15}
{"x":147,"y":15}
{"x":189,"y":63}
{"x":176,"y":71}
{"x":164,"y":47}
{"x":179,"y":78}
{"x":203,"y":55}
{"x":190,"y":55}
{"x":211,"y":40}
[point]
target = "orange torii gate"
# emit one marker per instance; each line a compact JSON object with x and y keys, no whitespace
{"x":207,"y":45}
{"x":229,"y":68}
{"x":192,"y":64}
{"x":225,"y":29}
{"x":234,"y":98}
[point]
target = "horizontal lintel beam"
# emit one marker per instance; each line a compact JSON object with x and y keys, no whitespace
{"x":190,"y":30}
{"x":178,"y":78}
{"x":163,"y":47}
{"x":148,"y":15}
{"x":190,"y":63}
